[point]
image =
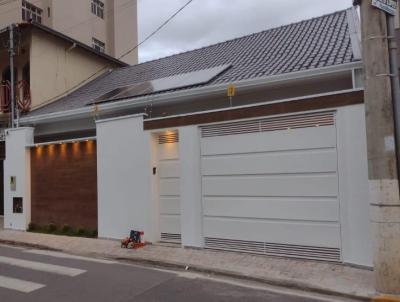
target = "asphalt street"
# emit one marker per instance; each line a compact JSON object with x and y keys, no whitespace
{"x":45,"y":276}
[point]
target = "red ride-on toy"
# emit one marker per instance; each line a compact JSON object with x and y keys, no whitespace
{"x":134,"y":241}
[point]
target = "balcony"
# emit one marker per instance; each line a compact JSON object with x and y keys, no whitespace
{"x":22,"y":96}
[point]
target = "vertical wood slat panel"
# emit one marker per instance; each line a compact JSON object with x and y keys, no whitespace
{"x":64,"y":184}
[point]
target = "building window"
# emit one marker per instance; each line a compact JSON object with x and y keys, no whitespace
{"x":98,"y":8}
{"x":98,"y":45}
{"x":31,"y":12}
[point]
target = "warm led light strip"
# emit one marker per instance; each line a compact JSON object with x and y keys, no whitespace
{"x":69,"y":141}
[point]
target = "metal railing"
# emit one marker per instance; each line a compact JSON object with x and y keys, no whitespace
{"x":22,"y":96}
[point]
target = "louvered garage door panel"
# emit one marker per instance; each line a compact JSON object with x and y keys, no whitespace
{"x":169,"y":182}
{"x":271,"y":187}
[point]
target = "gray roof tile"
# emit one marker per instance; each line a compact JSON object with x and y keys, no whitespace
{"x":314,"y":43}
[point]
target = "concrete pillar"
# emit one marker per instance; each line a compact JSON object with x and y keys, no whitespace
{"x":190,"y":176}
{"x":124,"y":178}
{"x":17,"y":179}
{"x":382,"y":163}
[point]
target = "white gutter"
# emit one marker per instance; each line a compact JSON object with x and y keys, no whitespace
{"x":183,"y":95}
{"x":118,"y":118}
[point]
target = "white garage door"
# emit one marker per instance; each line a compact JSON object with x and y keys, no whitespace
{"x":169,"y":190}
{"x":270,"y":186}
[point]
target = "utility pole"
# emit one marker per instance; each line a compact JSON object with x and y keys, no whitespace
{"x":380,"y":96}
{"x":12,"y":76}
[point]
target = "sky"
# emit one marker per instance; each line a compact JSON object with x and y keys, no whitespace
{"x":205,"y":22}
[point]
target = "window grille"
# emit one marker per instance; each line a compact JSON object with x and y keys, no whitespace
{"x":97,"y":8}
{"x":98,"y":45}
{"x":31,"y":12}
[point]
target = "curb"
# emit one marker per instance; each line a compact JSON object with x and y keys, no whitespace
{"x":386,"y":298}
{"x":206,"y":270}
{"x":28,"y":245}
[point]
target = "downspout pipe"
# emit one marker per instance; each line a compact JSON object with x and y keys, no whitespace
{"x":395,"y":83}
{"x":12,"y":75}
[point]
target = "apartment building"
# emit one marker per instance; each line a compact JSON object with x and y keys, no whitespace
{"x":109,"y":26}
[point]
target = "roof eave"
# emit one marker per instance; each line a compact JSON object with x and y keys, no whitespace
{"x":71,"y":40}
{"x":183,"y":95}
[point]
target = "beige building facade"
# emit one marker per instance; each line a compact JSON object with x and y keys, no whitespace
{"x":50,"y":65}
{"x":109,"y":26}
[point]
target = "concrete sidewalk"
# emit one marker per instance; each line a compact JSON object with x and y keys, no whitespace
{"x":314,"y":276}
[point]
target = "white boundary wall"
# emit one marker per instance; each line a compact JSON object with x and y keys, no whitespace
{"x":128,"y":197}
{"x":17,"y":164}
{"x":353,"y":186}
{"x":356,"y":229}
{"x":191,"y":199}
{"x":124,"y":178}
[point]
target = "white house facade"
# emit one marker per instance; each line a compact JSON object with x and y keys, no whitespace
{"x":280,"y":168}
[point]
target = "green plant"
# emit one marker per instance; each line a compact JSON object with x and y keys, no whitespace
{"x":32,"y":227}
{"x":66,"y":229}
{"x":80,"y":231}
{"x":94,"y":233}
{"x":52,"y":228}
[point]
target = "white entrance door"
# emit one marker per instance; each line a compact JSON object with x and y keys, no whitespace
{"x":169,"y":190}
{"x":270,"y":186}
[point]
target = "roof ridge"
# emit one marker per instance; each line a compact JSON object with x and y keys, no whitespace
{"x":237,"y":38}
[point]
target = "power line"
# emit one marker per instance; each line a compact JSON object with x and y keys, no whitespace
{"x":158,"y":28}
{"x":124,"y":54}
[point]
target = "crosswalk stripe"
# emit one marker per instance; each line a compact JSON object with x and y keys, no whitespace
{"x":67,"y":256}
{"x":40,"y":266}
{"x":19,"y":285}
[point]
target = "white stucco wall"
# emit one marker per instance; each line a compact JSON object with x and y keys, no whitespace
{"x":124,"y":178}
{"x":127,"y":190}
{"x":353,"y":186}
{"x":17,"y":164}
{"x":190,"y":184}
